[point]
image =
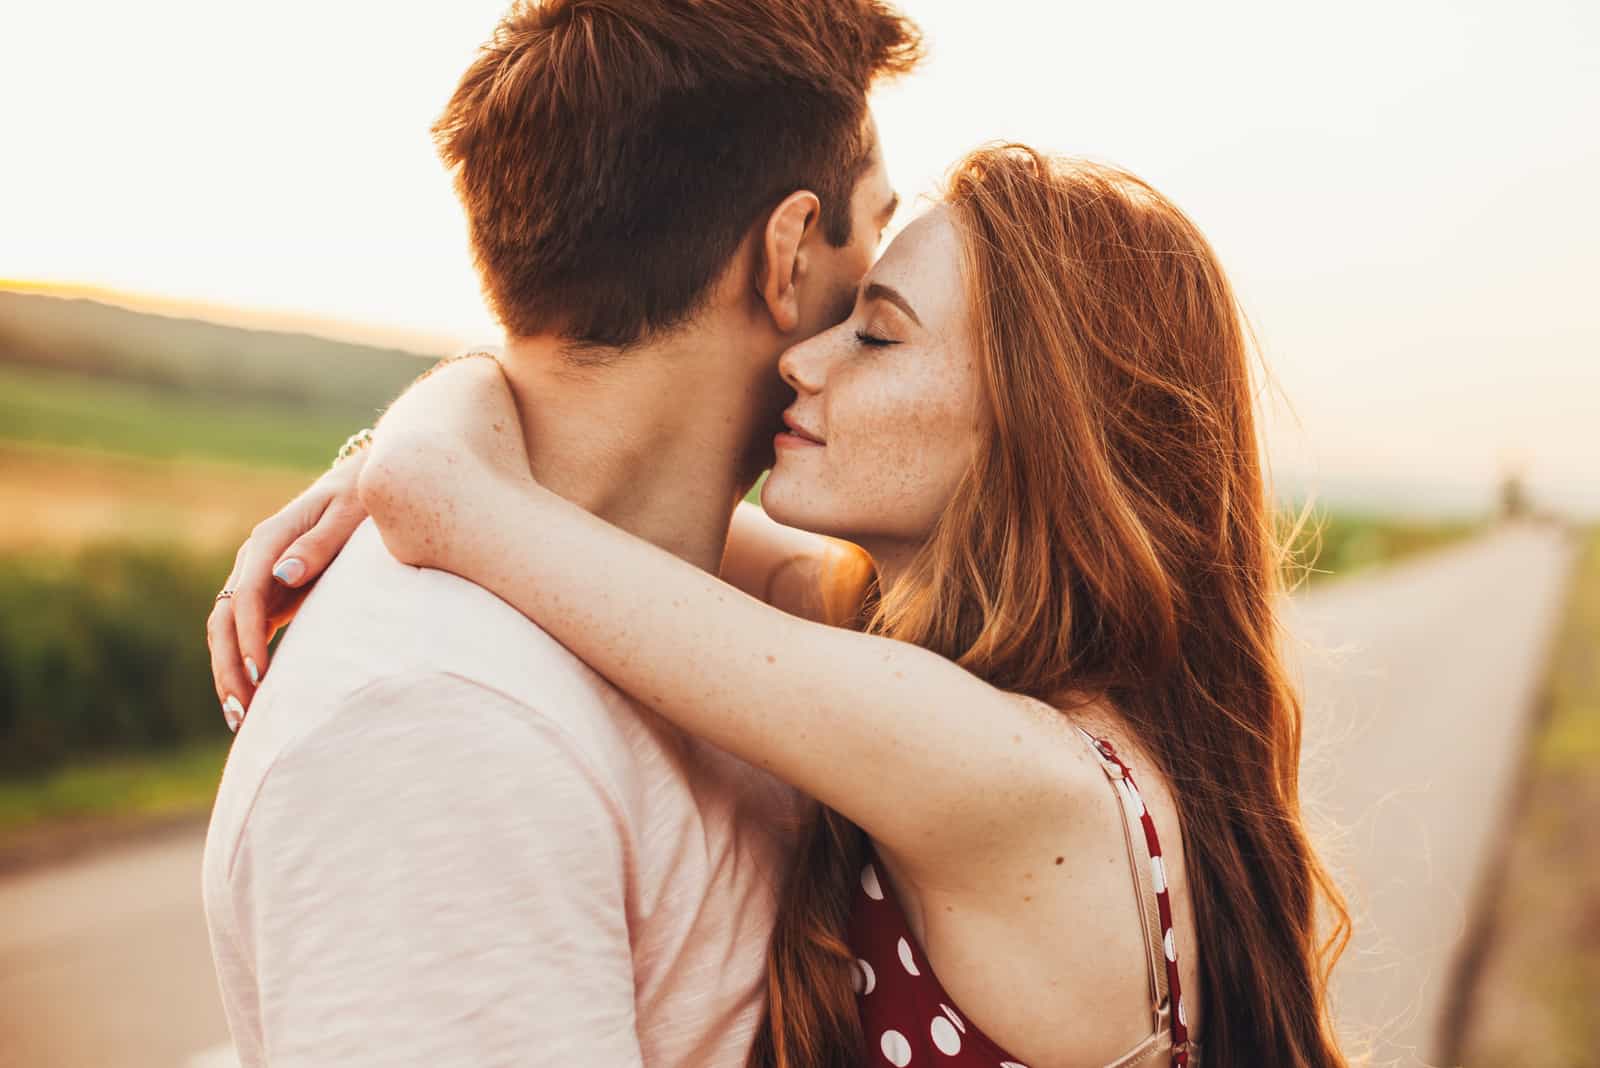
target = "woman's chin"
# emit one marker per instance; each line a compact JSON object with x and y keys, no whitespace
{"x":772,"y":499}
{"x":783,"y":501}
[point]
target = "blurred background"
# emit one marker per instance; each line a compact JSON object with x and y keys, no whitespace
{"x":225,"y":243}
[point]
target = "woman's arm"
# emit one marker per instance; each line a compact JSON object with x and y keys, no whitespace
{"x":924,"y":756}
{"x":804,"y":574}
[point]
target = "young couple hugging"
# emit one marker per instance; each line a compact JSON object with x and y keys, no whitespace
{"x":973,"y":746}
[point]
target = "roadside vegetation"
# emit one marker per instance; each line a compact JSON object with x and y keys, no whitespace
{"x":102,"y":653}
{"x":1342,"y":543}
{"x":176,"y":782}
{"x":1534,"y":998}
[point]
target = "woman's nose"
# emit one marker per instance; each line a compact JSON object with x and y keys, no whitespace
{"x":802,"y":366}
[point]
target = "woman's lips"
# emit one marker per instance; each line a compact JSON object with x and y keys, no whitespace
{"x":786,"y":440}
{"x":796,"y":434}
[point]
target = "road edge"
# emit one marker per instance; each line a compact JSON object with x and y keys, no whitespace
{"x":63,"y":842}
{"x":1483,"y":912}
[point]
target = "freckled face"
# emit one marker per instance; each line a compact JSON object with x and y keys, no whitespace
{"x":888,"y":412}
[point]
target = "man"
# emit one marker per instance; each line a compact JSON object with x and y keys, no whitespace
{"x":442,"y":839}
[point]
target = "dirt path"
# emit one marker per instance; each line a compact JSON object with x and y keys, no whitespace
{"x":1420,"y":682}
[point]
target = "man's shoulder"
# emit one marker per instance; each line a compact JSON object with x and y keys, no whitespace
{"x":383,"y":613}
{"x":434,"y":725}
{"x":422,"y":734}
{"x":552,"y":706}
{"x":378,"y":642}
{"x":372,"y":618}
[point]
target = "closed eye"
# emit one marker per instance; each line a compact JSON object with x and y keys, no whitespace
{"x":873,"y":340}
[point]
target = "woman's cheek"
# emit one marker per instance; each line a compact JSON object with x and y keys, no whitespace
{"x":898,"y":456}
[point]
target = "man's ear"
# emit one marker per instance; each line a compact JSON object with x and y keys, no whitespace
{"x":783,"y":257}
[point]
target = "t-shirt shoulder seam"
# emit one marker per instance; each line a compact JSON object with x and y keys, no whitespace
{"x":534,"y":717}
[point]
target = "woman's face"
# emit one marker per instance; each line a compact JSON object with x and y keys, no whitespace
{"x":889,"y":411}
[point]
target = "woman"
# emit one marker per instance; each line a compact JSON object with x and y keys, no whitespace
{"x":1037,"y":421}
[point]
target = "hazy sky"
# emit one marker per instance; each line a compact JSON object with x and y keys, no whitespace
{"x":1405,"y":192}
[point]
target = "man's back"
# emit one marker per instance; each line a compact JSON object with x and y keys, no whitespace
{"x":441,"y":838}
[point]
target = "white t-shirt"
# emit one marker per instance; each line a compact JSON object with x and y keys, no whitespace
{"x":442,"y":839}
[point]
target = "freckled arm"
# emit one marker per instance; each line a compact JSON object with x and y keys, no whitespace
{"x":911,"y":747}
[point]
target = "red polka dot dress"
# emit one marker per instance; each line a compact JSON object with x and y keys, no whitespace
{"x":908,"y":1019}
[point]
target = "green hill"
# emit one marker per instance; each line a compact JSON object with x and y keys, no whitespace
{"x":84,"y":374}
{"x":218,"y":362}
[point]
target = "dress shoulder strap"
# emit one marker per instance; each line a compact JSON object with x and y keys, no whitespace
{"x":1155,"y":907}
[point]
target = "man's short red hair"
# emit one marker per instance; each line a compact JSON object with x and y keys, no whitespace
{"x":611,"y":154}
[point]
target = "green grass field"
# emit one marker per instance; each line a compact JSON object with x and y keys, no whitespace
{"x":54,"y":407}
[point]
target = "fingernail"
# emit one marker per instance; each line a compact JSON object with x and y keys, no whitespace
{"x":289,"y":571}
{"x":251,"y":670}
{"x":233,"y":712}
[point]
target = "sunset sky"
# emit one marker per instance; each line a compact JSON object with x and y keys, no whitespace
{"x":1404,"y":193}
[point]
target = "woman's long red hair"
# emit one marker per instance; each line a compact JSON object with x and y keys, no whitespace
{"x":1114,"y":541}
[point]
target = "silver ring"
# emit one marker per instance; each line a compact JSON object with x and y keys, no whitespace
{"x":227,"y":592}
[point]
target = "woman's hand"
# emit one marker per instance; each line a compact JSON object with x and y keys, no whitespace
{"x":453,"y":441}
{"x":272,"y":573}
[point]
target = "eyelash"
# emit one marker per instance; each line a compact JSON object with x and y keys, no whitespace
{"x":873,"y":341}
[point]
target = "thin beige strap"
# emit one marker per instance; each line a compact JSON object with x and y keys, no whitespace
{"x":1154,"y":1052}
{"x":1129,"y":805}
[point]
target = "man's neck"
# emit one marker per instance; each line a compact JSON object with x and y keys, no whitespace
{"x":658,"y":442}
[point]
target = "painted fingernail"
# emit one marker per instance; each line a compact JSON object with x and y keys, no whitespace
{"x":289,"y":571}
{"x":251,"y":670}
{"x":233,"y":712}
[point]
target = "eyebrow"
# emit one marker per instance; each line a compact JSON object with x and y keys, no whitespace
{"x":879,"y":291}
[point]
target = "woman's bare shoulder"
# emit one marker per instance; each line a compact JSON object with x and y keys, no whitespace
{"x":807,"y":575}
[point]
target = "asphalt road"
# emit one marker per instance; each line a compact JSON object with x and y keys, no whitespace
{"x":104,"y":961}
{"x":1420,"y":680}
